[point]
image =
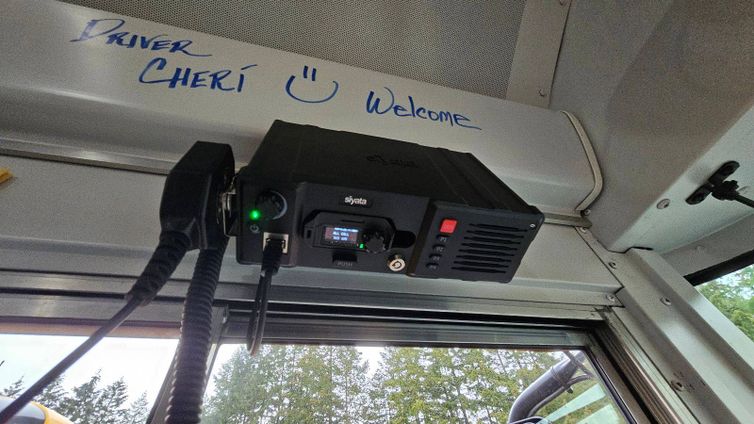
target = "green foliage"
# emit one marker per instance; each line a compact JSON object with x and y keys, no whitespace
{"x":424,"y":385}
{"x":325,"y":384}
{"x":14,"y":389}
{"x":53,"y":396}
{"x":108,"y":406}
{"x":88,"y":403}
{"x":332,"y":384}
{"x":80,"y":407}
{"x":138,"y":412}
{"x":290,"y":384}
{"x":733,"y":295}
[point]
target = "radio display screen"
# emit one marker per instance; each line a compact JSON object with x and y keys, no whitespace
{"x":341,"y":236}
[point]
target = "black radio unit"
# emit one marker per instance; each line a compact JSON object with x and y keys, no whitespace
{"x":351,"y":201}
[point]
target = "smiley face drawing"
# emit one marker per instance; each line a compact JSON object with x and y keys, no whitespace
{"x":332,"y":92}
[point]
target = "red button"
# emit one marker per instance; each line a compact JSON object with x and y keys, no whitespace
{"x":447,"y":226}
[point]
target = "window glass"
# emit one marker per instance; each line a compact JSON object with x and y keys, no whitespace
{"x":733,"y":295}
{"x":348,"y":384}
{"x":116,"y":382}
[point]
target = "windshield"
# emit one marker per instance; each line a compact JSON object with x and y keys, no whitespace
{"x":314,"y":384}
{"x":347,"y":384}
{"x":116,"y":383}
{"x":733,"y":295}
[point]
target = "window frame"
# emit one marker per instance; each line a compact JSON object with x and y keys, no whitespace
{"x":500,"y":335}
{"x":721,"y":269}
{"x":317,"y":315}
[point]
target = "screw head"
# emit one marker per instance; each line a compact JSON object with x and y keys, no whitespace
{"x":611,"y":297}
{"x":678,"y":386}
{"x":254,"y":228}
{"x":612,"y":265}
{"x":532,"y":225}
{"x":582,"y":229}
{"x":664,"y":203}
{"x":665,"y":301}
{"x":542,"y":92}
{"x":586,"y":212}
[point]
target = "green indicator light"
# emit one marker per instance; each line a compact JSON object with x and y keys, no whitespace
{"x":254,"y":215}
{"x":361,"y":246}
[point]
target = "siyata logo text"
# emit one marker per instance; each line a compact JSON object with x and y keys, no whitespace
{"x":355,"y":201}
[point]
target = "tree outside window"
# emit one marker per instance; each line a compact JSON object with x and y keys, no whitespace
{"x":733,"y":295}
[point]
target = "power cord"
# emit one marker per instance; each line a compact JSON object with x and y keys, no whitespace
{"x":36,"y":388}
{"x":271,"y":257}
{"x":160,"y":267}
{"x":185,"y":404}
{"x":165,"y":259}
{"x":189,"y":219}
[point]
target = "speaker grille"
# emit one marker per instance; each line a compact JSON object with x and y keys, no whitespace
{"x":488,"y":248}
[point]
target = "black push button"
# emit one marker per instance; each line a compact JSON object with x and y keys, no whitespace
{"x":438,"y":248}
{"x":442,"y":239}
{"x":432,"y":266}
{"x":435,"y":258}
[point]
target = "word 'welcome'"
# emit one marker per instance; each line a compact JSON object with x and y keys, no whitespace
{"x":412,"y":111}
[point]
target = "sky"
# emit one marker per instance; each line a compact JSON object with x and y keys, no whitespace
{"x":142,"y":363}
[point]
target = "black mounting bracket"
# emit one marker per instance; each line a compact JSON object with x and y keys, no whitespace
{"x":719,"y":188}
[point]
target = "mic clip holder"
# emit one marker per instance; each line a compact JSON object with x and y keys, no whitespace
{"x":719,"y":188}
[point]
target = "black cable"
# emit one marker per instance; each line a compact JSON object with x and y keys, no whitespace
{"x":547,"y":387}
{"x":166,"y":257}
{"x":746,"y":201}
{"x":188,"y":219}
{"x":579,"y":359}
{"x":723,"y":268}
{"x":33,"y":391}
{"x":164,"y":260}
{"x":185,"y":405}
{"x":560,"y":391}
{"x":578,"y":379}
{"x":728,"y":190}
{"x":270,"y":265}
{"x":258,"y":314}
{"x":531,"y":420}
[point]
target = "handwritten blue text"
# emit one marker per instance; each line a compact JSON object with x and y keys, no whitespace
{"x":411,"y":111}
{"x":106,"y":27}
{"x":223,"y":79}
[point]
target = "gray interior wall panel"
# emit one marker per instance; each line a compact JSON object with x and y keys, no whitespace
{"x":731,"y":241}
{"x":537,"y":49}
{"x":664,"y":90}
{"x":91,"y":95}
{"x":467,"y":45}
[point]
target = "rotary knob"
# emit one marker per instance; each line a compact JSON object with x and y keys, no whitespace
{"x":374,"y":241}
{"x":270,"y":205}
